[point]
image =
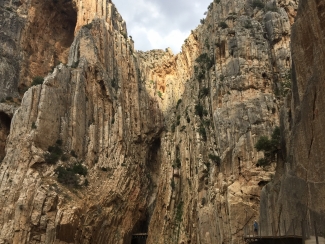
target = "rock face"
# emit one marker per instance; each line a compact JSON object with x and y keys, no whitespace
{"x":11,"y":27}
{"x":297,"y":194}
{"x":167,"y":140}
{"x":91,"y":107}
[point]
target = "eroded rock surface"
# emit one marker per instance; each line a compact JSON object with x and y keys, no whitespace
{"x":296,"y":197}
{"x":168,"y":140}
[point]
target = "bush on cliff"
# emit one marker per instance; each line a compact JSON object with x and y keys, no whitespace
{"x":270,"y":147}
{"x":69,"y":175}
{"x":257,"y":4}
{"x":38,"y":80}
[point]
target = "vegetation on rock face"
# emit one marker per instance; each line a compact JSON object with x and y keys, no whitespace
{"x":202,"y":132}
{"x":179,"y":212}
{"x":204,"y":92}
{"x":202,"y":60}
{"x":257,"y":4}
{"x":248,"y":24}
{"x":54,"y":154}
{"x":223,"y":25}
{"x":215,"y":159}
{"x":89,"y":26}
{"x":199,"y":110}
{"x":69,"y":175}
{"x":38,"y":80}
{"x":270,"y":147}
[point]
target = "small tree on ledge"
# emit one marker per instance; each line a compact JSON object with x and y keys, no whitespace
{"x":270,"y":147}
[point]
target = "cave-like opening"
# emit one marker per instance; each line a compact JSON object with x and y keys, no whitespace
{"x":140,"y":231}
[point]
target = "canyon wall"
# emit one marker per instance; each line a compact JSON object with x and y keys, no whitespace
{"x":296,"y":196}
{"x":92,"y":109}
{"x":167,"y":140}
{"x":236,"y":86}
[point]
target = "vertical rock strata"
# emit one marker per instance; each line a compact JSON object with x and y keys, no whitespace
{"x":150,"y":127}
{"x":95,"y":108}
{"x":297,"y":194}
{"x":237,"y":64}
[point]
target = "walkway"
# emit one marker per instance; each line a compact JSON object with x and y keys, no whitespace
{"x":273,"y":239}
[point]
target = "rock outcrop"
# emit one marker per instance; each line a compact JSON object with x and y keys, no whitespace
{"x":94,"y":108}
{"x":167,"y":140}
{"x":296,"y":196}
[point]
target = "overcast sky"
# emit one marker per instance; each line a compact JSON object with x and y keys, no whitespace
{"x":157,"y":24}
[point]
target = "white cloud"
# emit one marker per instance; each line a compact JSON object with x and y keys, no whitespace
{"x":157,"y":24}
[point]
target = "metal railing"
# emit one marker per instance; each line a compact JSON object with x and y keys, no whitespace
{"x":295,"y":229}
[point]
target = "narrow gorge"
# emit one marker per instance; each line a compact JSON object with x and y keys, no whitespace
{"x":100,"y":141}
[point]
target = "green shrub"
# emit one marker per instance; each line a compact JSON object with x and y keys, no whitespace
{"x":257,"y":4}
{"x":54,"y":154}
{"x":51,"y":158}
{"x":201,"y":75}
{"x":178,"y":120}
{"x":269,"y":147}
{"x":179,"y":212}
{"x":159,"y":94}
{"x":114,"y":83}
{"x":205,"y":112}
{"x":89,"y":26}
{"x":73,"y":154}
{"x":223,"y":25}
{"x":263,"y":162}
{"x":204,"y":92}
{"x":37,"y":80}
{"x":68,"y":175}
{"x":199,"y":110}
{"x":248,"y":24}
{"x":78,"y":168}
{"x":263,"y":144}
{"x":59,"y":142}
{"x":173,"y":127}
{"x":202,"y":21}
{"x":216,"y":159}
{"x":204,"y":59}
{"x":178,"y":163}
{"x":65,"y":157}
{"x":207,"y":122}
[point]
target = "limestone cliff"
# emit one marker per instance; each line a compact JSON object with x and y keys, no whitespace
{"x":296,"y":197}
{"x":167,"y":140}
{"x":236,"y":65}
